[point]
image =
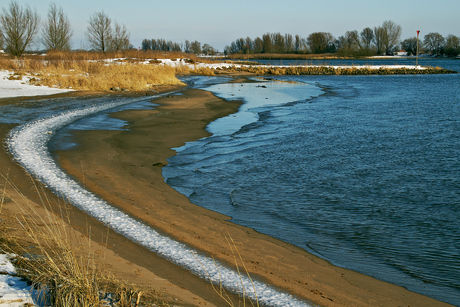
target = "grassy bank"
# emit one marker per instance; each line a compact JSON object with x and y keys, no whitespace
{"x":86,"y":71}
{"x":142,"y":71}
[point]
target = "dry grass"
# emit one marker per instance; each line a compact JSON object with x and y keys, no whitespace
{"x":96,"y":76}
{"x":141,"y":71}
{"x":56,"y":265}
{"x":63,"y":268}
{"x":87,"y":71}
{"x":242,"y":271}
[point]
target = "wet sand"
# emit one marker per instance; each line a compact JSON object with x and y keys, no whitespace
{"x":124,"y":167}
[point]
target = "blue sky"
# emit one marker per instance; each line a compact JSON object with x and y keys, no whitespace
{"x":218,"y":22}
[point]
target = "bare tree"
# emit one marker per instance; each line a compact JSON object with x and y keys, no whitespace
{"x":267,"y":43}
{"x":379,"y":38}
{"x":288,"y":43}
{"x":320,"y":42}
{"x":349,"y":44}
{"x":392,"y":33}
{"x":248,"y":45}
{"x":452,"y":45}
{"x":195,"y":47}
{"x":353,"y":41}
{"x":99,"y":32}
{"x":297,"y":43}
{"x":57,"y":31}
{"x":434,"y":42}
{"x":1,"y":39}
{"x":300,"y":44}
{"x":19,"y":27}
{"x":278,"y":43}
{"x":258,"y":45}
{"x":410,"y":45}
{"x":120,"y":38}
{"x":187,"y":46}
{"x":367,"y":36}
{"x":208,"y":50}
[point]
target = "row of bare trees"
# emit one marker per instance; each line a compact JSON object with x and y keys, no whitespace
{"x":101,"y":36}
{"x":20,"y":26}
{"x":381,"y":40}
{"x":187,"y":46}
{"x":268,"y":43}
{"x":434,"y":43}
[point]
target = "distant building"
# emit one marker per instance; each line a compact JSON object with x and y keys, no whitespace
{"x":401,"y":52}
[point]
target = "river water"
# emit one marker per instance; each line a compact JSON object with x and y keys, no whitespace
{"x":360,"y":170}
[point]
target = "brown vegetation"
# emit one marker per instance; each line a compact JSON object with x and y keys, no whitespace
{"x":88,"y":71}
{"x":58,"y":262}
{"x":142,"y":71}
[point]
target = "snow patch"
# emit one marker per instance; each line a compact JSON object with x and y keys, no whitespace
{"x":19,"y":88}
{"x":14,"y":291}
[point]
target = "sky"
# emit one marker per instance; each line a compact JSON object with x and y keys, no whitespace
{"x":218,"y":22}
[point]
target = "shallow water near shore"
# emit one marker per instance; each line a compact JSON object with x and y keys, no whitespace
{"x":359,"y":170}
{"x":363,"y":173}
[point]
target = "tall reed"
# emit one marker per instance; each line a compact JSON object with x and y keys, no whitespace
{"x":59,"y":269}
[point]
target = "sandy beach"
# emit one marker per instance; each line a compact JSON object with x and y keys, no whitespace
{"x":124,"y":168}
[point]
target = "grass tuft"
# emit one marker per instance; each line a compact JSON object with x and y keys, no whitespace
{"x":242,"y":271}
{"x":53,"y":259}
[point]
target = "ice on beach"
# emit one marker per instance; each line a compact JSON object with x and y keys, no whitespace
{"x":29,"y":145}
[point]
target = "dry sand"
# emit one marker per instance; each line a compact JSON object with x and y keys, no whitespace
{"x":124,"y":167}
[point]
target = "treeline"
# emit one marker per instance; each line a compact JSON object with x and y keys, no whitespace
{"x":268,"y":43}
{"x":435,"y":44}
{"x":381,"y":40}
{"x":187,"y":46}
{"x":160,"y":45}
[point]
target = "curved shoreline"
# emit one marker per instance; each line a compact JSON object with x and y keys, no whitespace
{"x":101,"y":164}
{"x":186,"y":222}
{"x":28,"y":144}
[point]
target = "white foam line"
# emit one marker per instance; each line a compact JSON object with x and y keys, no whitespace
{"x":29,"y":145}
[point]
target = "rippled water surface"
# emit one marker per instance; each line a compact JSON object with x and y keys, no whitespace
{"x":360,"y":170}
{"x":364,"y":172}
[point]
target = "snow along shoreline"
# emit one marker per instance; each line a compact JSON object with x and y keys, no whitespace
{"x":28,"y":144}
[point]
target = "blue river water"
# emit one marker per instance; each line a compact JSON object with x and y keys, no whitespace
{"x":360,"y":170}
